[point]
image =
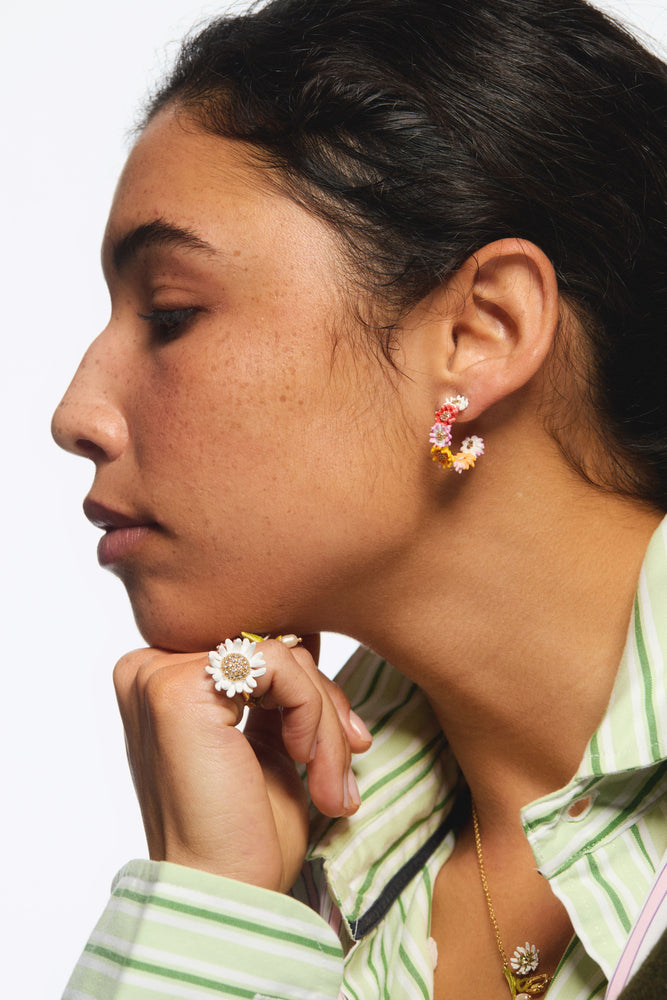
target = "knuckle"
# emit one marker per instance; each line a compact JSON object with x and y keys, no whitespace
{"x":301,"y":722}
{"x":158,"y":684}
{"x":160,"y":681}
{"x":276,"y":651}
{"x":340,"y":700}
{"x":144,"y":671}
{"x":126,"y":668}
{"x":163,"y":691}
{"x":304,"y":659}
{"x":316,"y":703}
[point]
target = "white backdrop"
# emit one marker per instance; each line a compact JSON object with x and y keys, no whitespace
{"x":72,"y":75}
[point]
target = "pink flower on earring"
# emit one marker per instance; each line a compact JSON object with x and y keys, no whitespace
{"x":440,"y":438}
{"x":441,"y":435}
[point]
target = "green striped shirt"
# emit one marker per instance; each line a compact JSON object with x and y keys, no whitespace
{"x":367,"y":885}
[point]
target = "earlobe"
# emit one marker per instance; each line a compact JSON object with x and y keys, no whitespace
{"x":505,"y":330}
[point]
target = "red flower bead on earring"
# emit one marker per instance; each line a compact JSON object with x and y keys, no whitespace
{"x":441,"y":438}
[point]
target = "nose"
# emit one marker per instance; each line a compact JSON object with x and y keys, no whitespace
{"x":89,"y":420}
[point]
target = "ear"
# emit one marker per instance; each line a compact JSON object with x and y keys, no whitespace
{"x":501,"y":335}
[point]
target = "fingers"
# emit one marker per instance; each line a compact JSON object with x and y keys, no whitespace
{"x":356,"y":730}
{"x":291,"y":688}
{"x":316,"y":725}
{"x":151,"y":679}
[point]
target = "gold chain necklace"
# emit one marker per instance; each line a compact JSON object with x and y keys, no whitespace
{"x":518,"y":971}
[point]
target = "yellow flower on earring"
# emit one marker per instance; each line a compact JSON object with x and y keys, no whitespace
{"x":463,"y":460}
{"x":440,"y":438}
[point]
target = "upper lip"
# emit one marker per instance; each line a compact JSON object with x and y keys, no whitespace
{"x":105,"y":517}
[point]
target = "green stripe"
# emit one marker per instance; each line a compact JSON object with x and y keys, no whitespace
{"x":594,"y":754}
{"x":349,"y":992}
{"x":611,"y":893}
{"x":385,"y":966}
{"x":548,"y":819}
{"x":402,"y":768}
{"x":221,"y":918}
{"x":572,"y":946}
{"x":157,"y":970}
{"x":390,"y":715}
{"x":412,"y":969}
{"x":372,"y":871}
{"x":577,"y":971}
{"x":357,"y":699}
{"x":429,"y":886}
{"x":543,"y":820}
{"x":658,"y":775}
{"x":312,"y":850}
{"x":360,"y":700}
{"x":371,"y":965}
{"x":640,"y":843}
{"x":648,"y":681}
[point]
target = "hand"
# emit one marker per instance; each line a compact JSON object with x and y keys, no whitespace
{"x":231,"y":802}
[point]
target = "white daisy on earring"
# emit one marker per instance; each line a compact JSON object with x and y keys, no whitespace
{"x":473,"y":445}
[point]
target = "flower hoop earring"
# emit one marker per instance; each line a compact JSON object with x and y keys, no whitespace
{"x":441,"y":438}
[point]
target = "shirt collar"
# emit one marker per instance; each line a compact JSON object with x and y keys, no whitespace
{"x":583,"y":835}
{"x":640,"y":693}
{"x":409,"y":779}
{"x":632,"y":737}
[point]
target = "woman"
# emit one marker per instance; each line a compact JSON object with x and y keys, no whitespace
{"x":337,"y":219}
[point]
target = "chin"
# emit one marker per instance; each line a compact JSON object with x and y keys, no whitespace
{"x":176,"y":625}
{"x":187,"y":617}
{"x":177,"y":628}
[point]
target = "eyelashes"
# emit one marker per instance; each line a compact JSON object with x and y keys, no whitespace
{"x":168,"y":324}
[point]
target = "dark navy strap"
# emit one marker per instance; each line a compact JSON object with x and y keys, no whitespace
{"x":375,"y":913}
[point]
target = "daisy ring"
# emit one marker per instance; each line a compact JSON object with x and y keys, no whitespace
{"x":234,"y":666}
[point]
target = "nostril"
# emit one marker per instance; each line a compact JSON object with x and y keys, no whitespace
{"x":88,"y":449}
{"x":92,"y":430}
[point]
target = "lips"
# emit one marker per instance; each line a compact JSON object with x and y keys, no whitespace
{"x":122,"y":532}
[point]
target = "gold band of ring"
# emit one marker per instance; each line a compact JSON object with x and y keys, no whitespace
{"x":251,"y":701}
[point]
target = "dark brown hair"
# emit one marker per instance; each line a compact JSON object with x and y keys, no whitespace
{"x":424,"y":129}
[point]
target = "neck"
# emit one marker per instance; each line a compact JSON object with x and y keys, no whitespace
{"x":514,"y":628}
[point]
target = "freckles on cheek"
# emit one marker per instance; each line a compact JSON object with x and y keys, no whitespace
{"x":198,"y":420}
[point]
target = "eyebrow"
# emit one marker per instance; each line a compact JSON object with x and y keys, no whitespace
{"x":157,"y":233}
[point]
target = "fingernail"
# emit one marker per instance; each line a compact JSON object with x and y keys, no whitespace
{"x":351,"y":791}
{"x":360,"y":728}
{"x":312,"y":751}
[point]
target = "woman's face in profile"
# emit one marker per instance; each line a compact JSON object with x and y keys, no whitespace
{"x":248,"y":466}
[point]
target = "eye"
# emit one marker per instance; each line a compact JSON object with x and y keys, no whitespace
{"x":168,"y":324}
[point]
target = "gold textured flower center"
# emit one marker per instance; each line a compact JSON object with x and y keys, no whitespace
{"x":235,"y":666}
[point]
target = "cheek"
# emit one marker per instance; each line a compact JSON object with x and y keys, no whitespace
{"x":246,"y":396}
{"x":291,"y":451}
{"x":282,"y":496}
{"x":193,"y":406}
{"x":224,"y":444}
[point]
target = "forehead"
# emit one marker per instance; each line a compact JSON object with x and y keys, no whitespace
{"x":210,"y":187}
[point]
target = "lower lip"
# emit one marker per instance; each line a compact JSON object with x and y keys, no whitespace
{"x":116,"y":543}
